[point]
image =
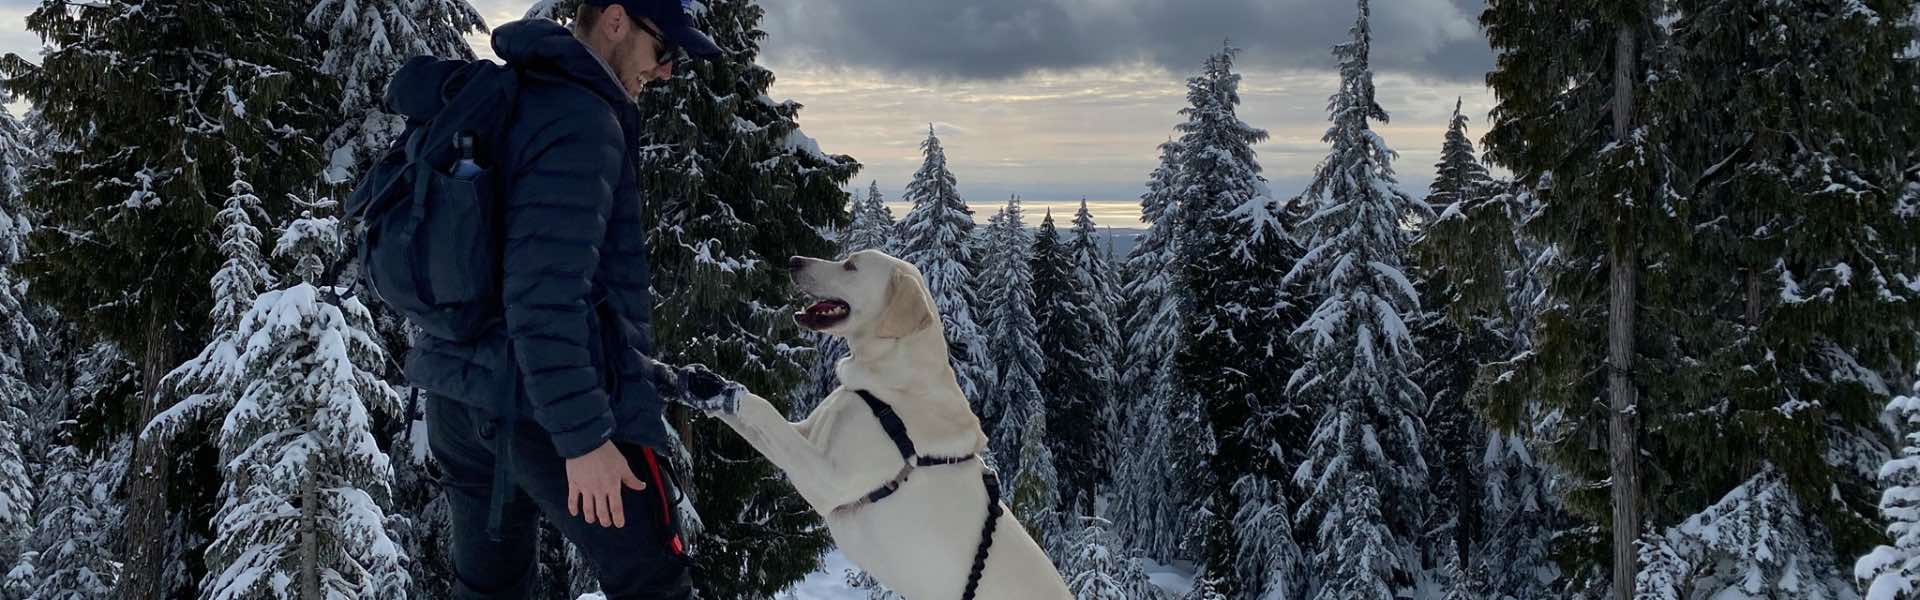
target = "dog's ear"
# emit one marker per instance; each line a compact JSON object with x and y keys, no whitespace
{"x":909,"y":308}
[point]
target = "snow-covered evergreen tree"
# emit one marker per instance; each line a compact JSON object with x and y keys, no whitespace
{"x":933,"y":236}
{"x":1572,"y":125}
{"x":1266,"y":549}
{"x":19,"y":152}
{"x":1096,"y":273}
{"x":1519,"y":519}
{"x":1364,"y":474}
{"x":1069,"y":323}
{"x":18,"y":338}
{"x":1798,"y":292}
{"x":560,"y":571}
{"x":244,"y":274}
{"x":1034,"y":493}
{"x":860,"y":580}
{"x":16,"y":483}
{"x":130,"y":185}
{"x":1480,"y":279}
{"x":210,"y":380}
{"x":1234,"y":253}
{"x":421,"y":522}
{"x":1097,"y":566}
{"x":1462,"y":583}
{"x":982,"y":248}
{"x":365,"y":41}
{"x":1892,"y":570}
{"x":1460,"y":177}
{"x":1756,"y":542}
{"x":737,"y":188}
{"x":1161,"y":460}
{"x":303,"y":510}
{"x":1013,"y":345}
{"x":988,"y":245}
{"x":73,"y":549}
{"x":873,"y":226}
{"x":1452,"y":352}
{"x":1206,"y":587}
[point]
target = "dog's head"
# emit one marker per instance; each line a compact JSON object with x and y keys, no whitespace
{"x":869,"y":294}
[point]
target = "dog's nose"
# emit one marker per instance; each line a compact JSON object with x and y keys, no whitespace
{"x":795,"y":263}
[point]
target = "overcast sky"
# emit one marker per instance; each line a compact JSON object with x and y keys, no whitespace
{"x":1057,"y":100}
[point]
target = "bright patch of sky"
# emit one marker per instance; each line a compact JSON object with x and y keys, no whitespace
{"x":1075,"y":113}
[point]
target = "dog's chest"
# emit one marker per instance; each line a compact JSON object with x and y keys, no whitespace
{"x":854,"y":440}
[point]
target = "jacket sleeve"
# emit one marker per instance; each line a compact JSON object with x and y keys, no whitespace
{"x":555,"y":223}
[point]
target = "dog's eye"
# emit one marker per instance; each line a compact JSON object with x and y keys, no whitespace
{"x":848,"y":265}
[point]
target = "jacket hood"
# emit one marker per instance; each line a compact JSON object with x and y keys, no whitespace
{"x":420,"y":87}
{"x":543,"y":45}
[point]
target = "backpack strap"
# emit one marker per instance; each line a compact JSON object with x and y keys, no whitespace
{"x":422,"y":179}
{"x":507,"y":417}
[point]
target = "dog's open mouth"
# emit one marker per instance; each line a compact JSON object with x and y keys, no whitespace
{"x":823,"y":314}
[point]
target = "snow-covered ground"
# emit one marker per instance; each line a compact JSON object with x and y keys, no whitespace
{"x":1176,"y":578}
{"x":830,"y":582}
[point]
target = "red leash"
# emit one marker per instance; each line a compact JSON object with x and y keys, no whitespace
{"x":666,"y":505}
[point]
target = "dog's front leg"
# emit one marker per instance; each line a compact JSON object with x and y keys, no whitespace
{"x":812,"y":472}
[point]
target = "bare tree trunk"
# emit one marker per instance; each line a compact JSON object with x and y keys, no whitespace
{"x":310,"y":540}
{"x":1623,"y":422}
{"x":146,"y":488}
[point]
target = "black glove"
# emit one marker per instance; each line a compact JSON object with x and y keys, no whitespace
{"x":696,"y":387}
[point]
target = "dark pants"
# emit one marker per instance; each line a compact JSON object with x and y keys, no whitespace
{"x":636,"y":562}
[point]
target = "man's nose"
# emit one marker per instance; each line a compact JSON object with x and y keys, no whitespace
{"x":796,"y":263}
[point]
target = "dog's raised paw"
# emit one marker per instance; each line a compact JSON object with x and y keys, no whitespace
{"x":706,"y":391}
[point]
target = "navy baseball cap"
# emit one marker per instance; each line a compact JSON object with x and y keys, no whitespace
{"x":674,"y":22}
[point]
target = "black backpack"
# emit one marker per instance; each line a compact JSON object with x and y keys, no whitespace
{"x":429,"y":209}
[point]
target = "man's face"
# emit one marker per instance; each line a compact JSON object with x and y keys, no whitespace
{"x":637,"y":51}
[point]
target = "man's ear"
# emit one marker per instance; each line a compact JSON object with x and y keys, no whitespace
{"x":616,"y":19}
{"x":909,"y":308}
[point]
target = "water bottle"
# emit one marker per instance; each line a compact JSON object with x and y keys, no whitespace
{"x":465,"y":168}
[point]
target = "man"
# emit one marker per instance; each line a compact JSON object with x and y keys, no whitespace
{"x":570,"y":350}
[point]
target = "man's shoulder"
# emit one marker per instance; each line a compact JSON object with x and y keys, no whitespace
{"x":549,"y":105}
{"x":546,"y":92}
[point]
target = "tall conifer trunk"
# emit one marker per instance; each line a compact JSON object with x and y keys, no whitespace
{"x":1623,"y":424}
{"x":146,"y":488}
{"x":310,"y":541}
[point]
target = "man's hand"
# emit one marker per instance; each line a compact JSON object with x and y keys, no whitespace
{"x":593,"y":485}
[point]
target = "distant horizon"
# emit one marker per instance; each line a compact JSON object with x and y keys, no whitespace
{"x":1061,"y":119}
{"x":1071,"y":114}
{"x":1119,"y":214}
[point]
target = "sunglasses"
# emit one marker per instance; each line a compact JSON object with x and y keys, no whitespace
{"x":667,"y":51}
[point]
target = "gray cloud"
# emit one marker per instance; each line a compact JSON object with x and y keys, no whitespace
{"x":996,"y":39}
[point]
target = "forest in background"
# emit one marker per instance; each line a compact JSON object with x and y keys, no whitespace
{"x":1668,"y":352}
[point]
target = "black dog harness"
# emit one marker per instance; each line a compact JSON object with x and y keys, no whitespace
{"x":897,"y":430}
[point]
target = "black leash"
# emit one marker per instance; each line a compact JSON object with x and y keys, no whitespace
{"x":986,"y":535}
{"x":897,"y":430}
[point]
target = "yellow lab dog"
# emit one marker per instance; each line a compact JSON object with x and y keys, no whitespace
{"x":909,"y":506}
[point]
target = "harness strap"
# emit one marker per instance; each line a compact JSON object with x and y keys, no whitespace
{"x":897,"y":430}
{"x":891,"y":423}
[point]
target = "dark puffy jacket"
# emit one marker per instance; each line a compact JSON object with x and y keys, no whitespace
{"x":575,"y":259}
